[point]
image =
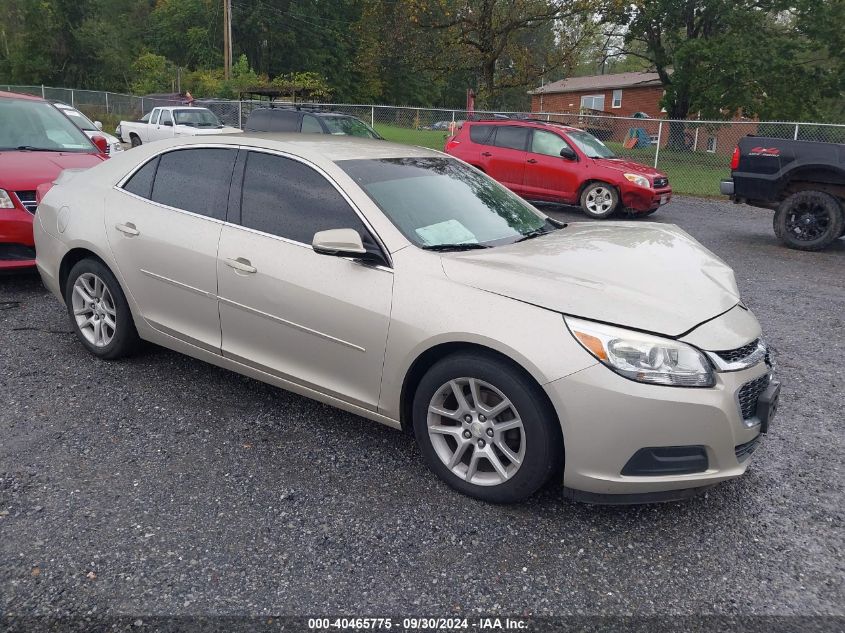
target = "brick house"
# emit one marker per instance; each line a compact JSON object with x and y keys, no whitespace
{"x":620,"y":94}
{"x":624,"y":95}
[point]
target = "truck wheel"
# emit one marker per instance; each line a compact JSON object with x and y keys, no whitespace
{"x":599,"y":200}
{"x":135,"y":140}
{"x":809,"y":220}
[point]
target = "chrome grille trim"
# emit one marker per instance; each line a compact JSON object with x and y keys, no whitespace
{"x":27,"y":200}
{"x":740,"y":358}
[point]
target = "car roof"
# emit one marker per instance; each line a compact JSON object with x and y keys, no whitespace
{"x":297,"y":111}
{"x":17,"y":95}
{"x":533,"y":123}
{"x":314,"y":147}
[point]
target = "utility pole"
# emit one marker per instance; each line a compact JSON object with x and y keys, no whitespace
{"x":227,"y":39}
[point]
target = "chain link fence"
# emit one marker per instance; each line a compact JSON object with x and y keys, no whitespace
{"x":694,"y":154}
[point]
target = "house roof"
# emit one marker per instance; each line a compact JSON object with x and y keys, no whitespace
{"x":599,"y":82}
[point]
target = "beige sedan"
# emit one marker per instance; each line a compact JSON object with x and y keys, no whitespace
{"x":404,"y":286}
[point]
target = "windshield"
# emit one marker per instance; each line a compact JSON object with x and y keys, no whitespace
{"x":196,"y":117}
{"x":349,"y":126}
{"x":590,"y":145}
{"x":438,"y":201}
{"x":80,"y":120}
{"x":35,"y":125}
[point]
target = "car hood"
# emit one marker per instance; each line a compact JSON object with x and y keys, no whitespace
{"x":24,"y":171}
{"x":625,"y":165}
{"x":647,"y":276}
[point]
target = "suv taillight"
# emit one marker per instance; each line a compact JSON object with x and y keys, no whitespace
{"x":735,"y":158}
{"x":451,"y":142}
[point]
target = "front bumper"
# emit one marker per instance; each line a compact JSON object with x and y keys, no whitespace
{"x":643,"y":200}
{"x":606,"y":419}
{"x":16,"y":243}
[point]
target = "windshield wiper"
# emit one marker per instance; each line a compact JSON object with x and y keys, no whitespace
{"x":454,"y":247}
{"x":31,"y":148}
{"x":541,"y":230}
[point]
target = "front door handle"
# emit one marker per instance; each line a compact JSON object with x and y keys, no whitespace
{"x":532,"y":160}
{"x":128,"y":229}
{"x":241,"y":264}
{"x":486,"y":154}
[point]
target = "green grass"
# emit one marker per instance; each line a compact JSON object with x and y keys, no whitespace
{"x":433,"y":139}
{"x":690,"y":173}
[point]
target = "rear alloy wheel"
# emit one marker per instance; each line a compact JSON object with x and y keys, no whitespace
{"x":98,"y":311}
{"x":809,"y":220}
{"x":599,"y":200}
{"x":484,"y":428}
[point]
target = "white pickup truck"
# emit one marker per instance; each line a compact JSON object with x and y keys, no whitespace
{"x":161,"y":123}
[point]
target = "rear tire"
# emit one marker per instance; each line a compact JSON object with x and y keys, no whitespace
{"x":98,"y":311}
{"x":135,"y":140}
{"x":502,"y":458}
{"x":599,"y":200}
{"x":809,"y":220}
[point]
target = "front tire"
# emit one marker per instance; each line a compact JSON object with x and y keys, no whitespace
{"x":599,"y":200}
{"x":135,"y":140}
{"x":485,"y":428}
{"x":98,"y":311}
{"x":809,"y":220}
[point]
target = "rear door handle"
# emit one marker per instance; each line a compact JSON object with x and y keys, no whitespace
{"x":532,"y":160}
{"x":486,"y":154}
{"x":127,"y":229}
{"x":241,"y":264}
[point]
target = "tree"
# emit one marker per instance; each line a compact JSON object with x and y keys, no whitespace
{"x":507,"y":43}
{"x":152,"y":73}
{"x":722,"y":57}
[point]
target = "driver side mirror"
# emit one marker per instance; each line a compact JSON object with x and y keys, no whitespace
{"x":339,"y":242}
{"x":567,"y":153}
{"x":101,"y":143}
{"x":98,"y":125}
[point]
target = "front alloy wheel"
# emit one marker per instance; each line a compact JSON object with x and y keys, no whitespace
{"x":486,"y":427}
{"x":599,"y":200}
{"x":476,"y":431}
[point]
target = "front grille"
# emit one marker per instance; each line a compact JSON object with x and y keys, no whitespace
{"x":659,"y":183}
{"x":744,"y":450}
{"x":27,"y":199}
{"x":16,"y":252}
{"x":748,"y":395}
{"x":740,"y":353}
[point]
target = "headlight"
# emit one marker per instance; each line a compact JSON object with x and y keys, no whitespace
{"x":643,"y":357}
{"x":640,"y":181}
{"x":6,"y":200}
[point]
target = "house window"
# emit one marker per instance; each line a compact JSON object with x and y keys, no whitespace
{"x":711,"y":144}
{"x":592,"y":102}
{"x":617,"y":99}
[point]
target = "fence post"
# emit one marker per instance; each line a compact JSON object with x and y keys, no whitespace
{"x":142,"y":106}
{"x":240,"y":113}
{"x":659,"y":138}
{"x":72,"y":100}
{"x":43,"y":96}
{"x":372,"y":116}
{"x":107,"y":102}
{"x":795,"y":138}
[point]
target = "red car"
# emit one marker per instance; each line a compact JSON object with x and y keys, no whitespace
{"x":550,"y":162}
{"x":37,"y":142}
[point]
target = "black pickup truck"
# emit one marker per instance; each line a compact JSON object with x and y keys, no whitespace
{"x":803,"y":181}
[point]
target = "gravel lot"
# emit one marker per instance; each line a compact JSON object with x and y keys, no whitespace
{"x":162,"y":485}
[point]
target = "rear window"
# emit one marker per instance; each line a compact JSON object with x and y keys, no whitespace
{"x":512,"y":137}
{"x":273,"y":121}
{"x":480,"y":133}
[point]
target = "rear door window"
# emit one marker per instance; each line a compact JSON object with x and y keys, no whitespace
{"x":310,"y":125}
{"x":480,"y":134}
{"x":195,"y":180}
{"x":511,"y":137}
{"x":141,"y":182}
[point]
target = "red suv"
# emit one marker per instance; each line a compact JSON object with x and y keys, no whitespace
{"x":550,"y":162}
{"x":37,"y":142}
